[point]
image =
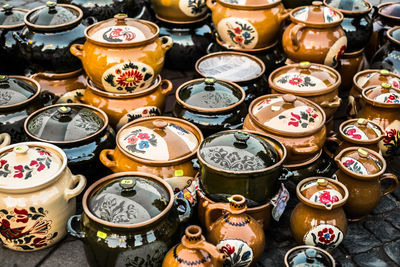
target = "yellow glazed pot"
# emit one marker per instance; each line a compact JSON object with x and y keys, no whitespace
{"x":181,"y":11}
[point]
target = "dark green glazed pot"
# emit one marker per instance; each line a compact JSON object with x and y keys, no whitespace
{"x":241,"y":162}
{"x":129,"y":219}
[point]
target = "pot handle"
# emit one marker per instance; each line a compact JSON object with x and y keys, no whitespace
{"x":284,"y":15}
{"x":5,"y":139}
{"x":166,"y":42}
{"x":70,"y":228}
{"x":209,"y":208}
{"x":305,"y":149}
{"x":81,"y":183}
{"x":77,"y":50}
{"x":332,"y":104}
{"x":211,"y":4}
{"x":107,"y":158}
{"x":19,"y":39}
{"x":293,"y":35}
{"x":393,"y":187}
{"x":217,"y":258}
{"x":332,"y":139}
{"x":166,"y":86}
{"x":188,"y":209}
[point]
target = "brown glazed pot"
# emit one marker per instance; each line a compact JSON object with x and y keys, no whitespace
{"x":251,"y":24}
{"x":319,"y":220}
{"x":315,"y":82}
{"x":314,"y":36}
{"x":350,"y":65}
{"x":194,"y":250}
{"x":361,"y":170}
{"x":122,"y":55}
{"x":236,"y":233}
{"x":180,"y":11}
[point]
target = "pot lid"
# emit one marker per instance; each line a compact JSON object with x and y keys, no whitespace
{"x":238,"y":151}
{"x":209,"y":94}
{"x":361,"y":129}
{"x":360,"y":161}
{"x":287,"y":113}
{"x":250,"y":2}
{"x":304,"y":77}
{"x":65,"y":123}
{"x":349,"y":5}
{"x":394,"y":34}
{"x":321,"y":191}
{"x":369,"y":78}
{"x":317,"y":14}
{"x":158,"y":139}
{"x":309,"y":256}
{"x":26,"y":165}
{"x":384,"y":94}
{"x":14,"y":90}
{"x":128,"y":199}
{"x":11,"y":17}
{"x":390,"y":10}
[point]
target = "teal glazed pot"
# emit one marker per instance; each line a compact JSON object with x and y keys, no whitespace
{"x":128,"y":219}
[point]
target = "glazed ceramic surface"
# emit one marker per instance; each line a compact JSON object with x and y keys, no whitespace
{"x":388,"y":56}
{"x":350,"y":64}
{"x":37,"y":195}
{"x":308,"y":256}
{"x":180,"y":11}
{"x":5,"y":139}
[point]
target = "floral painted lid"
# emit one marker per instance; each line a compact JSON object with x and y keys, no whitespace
{"x":361,"y":129}
{"x":304,"y":77}
{"x":321,"y":191}
{"x":367,"y":78}
{"x":128,"y":199}
{"x":11,"y":17}
{"x":383,"y":94}
{"x":238,"y":151}
{"x":360,"y":161}
{"x":158,"y":139}
{"x":317,"y":14}
{"x":287,"y":113}
{"x":308,"y":256}
{"x":27,"y":165}
{"x":349,"y":5}
{"x":65,"y":123}
{"x":16,"y":90}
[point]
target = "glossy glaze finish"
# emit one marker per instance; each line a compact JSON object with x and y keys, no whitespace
{"x":180,"y":11}
{"x":388,"y":56}
{"x":350,"y":64}
{"x":306,"y":255}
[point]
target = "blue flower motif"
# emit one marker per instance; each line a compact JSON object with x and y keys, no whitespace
{"x":246,"y":35}
{"x":143,"y":144}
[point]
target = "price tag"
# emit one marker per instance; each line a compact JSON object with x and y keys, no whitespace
{"x":178,"y":173}
{"x":101,"y":234}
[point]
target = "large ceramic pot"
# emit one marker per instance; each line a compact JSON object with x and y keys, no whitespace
{"x":308,"y":256}
{"x":82,"y":131}
{"x":37,"y":195}
{"x":5,"y":139}
{"x":180,"y":11}
{"x":350,"y":64}
{"x":319,"y":219}
{"x":162,"y":146}
{"x":315,"y":35}
{"x":48,"y":35}
{"x":361,"y":170}
{"x":388,"y":56}
{"x":210,"y":104}
{"x":295,"y":121}
{"x":122,"y":207}
{"x":122,"y":55}
{"x":247,"y":24}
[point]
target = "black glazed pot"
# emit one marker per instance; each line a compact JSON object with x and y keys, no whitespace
{"x":46,"y":39}
{"x":388,"y":56}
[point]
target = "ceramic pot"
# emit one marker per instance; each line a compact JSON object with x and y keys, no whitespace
{"x":240,"y":162}
{"x":37,"y":195}
{"x":350,"y":64}
{"x":303,"y":133}
{"x":236,"y":233}
{"x":249,"y":24}
{"x":243,"y":69}
{"x":122,"y":55}
{"x":365,"y":79}
{"x":382,"y":105}
{"x":361,"y":170}
{"x":388,"y":56}
{"x":5,"y":139}
{"x":46,"y":39}
{"x":82,"y":131}
{"x":120,"y":207}
{"x":180,"y":11}
{"x":315,"y":35}
{"x":210,"y":104}
{"x":162,"y":146}
{"x":319,"y":220}
{"x":308,"y":255}
{"x":11,"y":20}
{"x":296,"y":3}
{"x":194,"y":250}
{"x":315,"y":82}
{"x":190,"y":42}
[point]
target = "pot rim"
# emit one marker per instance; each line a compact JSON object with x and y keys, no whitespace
{"x":358,"y":74}
{"x":244,"y":50}
{"x":110,"y":177}
{"x":9,"y":27}
{"x":381,"y":6}
{"x":194,"y":129}
{"x":305,"y":163}
{"x":389,"y":35}
{"x":361,"y":142}
{"x":261,"y":135}
{"x":285,"y":133}
{"x":376,"y":103}
{"x":189,"y":22}
{"x":48,"y":180}
{"x":304,"y":93}
{"x":352,"y":54}
{"x":316,"y":24}
{"x":321,"y":206}
{"x":305,"y":247}
{"x":57,"y":76}
{"x":249,"y":7}
{"x":210,"y":110}
{"x":103,"y":117}
{"x":223,"y":53}
{"x":34,"y":96}
{"x":356,"y":175}
{"x":54,"y":27}
{"x":351,"y":13}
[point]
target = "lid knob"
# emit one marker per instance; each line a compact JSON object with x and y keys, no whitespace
{"x":160,"y":124}
{"x":362,"y":153}
{"x":193,"y":233}
{"x":322,"y":182}
{"x":22,"y":149}
{"x":241,"y":137}
{"x":289,"y":98}
{"x":3,"y":78}
{"x":304,"y":65}
{"x":51,"y":5}
{"x":8,"y":8}
{"x":310,"y":253}
{"x":362,"y":121}
{"x":237,"y":202}
{"x":120,"y":16}
{"x":385,"y":72}
{"x":64,"y":110}
{"x":209,"y":81}
{"x":317,"y":3}
{"x":386,"y":85}
{"x":127,"y":184}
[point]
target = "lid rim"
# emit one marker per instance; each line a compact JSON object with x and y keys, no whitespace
{"x":244,"y":50}
{"x":316,"y":24}
{"x":358,"y":74}
{"x":349,"y":12}
{"x":249,"y":7}
{"x":9,"y":27}
{"x":363,"y":142}
{"x":377,"y":103}
{"x":382,"y":6}
{"x":324,"y":252}
{"x":389,"y":34}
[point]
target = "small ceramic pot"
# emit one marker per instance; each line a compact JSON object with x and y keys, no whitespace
{"x":194,"y":250}
{"x":162,"y":146}
{"x":240,"y":162}
{"x":248,"y":24}
{"x":388,"y":56}
{"x":5,"y":139}
{"x":210,"y":104}
{"x":315,"y":35}
{"x":315,"y":82}
{"x":361,"y":170}
{"x":180,"y":11}
{"x":319,"y":220}
{"x":37,"y":195}
{"x":243,"y":69}
{"x":122,"y":55}
{"x":308,"y":256}
{"x":350,"y":64}
{"x":46,"y":39}
{"x":121,"y":207}
{"x":295,"y":121}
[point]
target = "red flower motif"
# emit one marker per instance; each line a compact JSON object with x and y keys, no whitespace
{"x":341,"y":51}
{"x":2,"y":162}
{"x":115,"y":33}
{"x":326,"y":235}
{"x":311,"y":112}
{"x":326,"y":198}
{"x":39,"y":165}
{"x":19,"y":170}
{"x":295,"y":115}
{"x":227,"y":249}
{"x":145,"y":111}
{"x":130,"y":78}
{"x":294,"y":123}
{"x":391,"y":97}
{"x":395,"y":84}
{"x":390,"y":135}
{"x":237,"y":30}
{"x":351,"y":132}
{"x":39,"y":242}
{"x":132,"y":140}
{"x":143,"y":136}
{"x":348,"y":162}
{"x":43,"y":153}
{"x":238,"y":39}
{"x":295,"y":81}
{"x":21,"y":215}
